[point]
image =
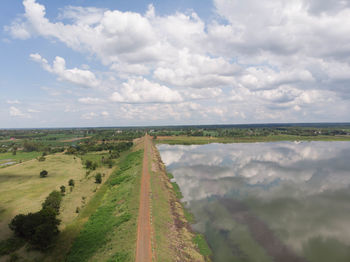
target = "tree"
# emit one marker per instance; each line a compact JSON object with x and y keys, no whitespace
{"x":38,"y":228}
{"x":98,"y":178}
{"x":43,"y":173}
{"x":63,"y":189}
{"x":71,"y":150}
{"x":71,"y":182}
{"x":53,"y":201}
{"x":88,"y":164}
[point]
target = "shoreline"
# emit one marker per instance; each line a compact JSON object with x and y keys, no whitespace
{"x":174,"y":237}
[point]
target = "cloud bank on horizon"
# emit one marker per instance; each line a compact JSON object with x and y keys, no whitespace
{"x":250,"y":61}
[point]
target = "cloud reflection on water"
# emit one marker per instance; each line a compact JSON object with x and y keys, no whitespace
{"x":301,"y":190}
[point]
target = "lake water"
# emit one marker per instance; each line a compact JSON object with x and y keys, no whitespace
{"x":279,"y":201}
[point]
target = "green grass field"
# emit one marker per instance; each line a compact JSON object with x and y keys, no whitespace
{"x":20,"y":156}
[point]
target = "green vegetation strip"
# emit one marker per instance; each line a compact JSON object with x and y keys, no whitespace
{"x":118,"y":208}
{"x":202,"y":245}
{"x":198,"y":239}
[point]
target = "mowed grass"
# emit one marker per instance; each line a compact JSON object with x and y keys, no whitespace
{"x":110,"y":232}
{"x":198,"y":140}
{"x":23,"y":191}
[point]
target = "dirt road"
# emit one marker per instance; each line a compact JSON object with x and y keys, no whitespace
{"x":143,"y":245}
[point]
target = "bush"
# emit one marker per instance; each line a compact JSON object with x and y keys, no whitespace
{"x":38,"y":228}
{"x":71,"y":151}
{"x":63,"y":189}
{"x":10,"y":245}
{"x":42,"y":158}
{"x":71,"y":182}
{"x":53,"y":201}
{"x":98,"y":178}
{"x":43,"y":173}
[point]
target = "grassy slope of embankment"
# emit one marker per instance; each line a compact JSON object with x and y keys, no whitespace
{"x":197,"y":140}
{"x":110,"y":232}
{"x":174,"y":239}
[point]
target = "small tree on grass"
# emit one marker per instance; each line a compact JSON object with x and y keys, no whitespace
{"x":71,"y":182}
{"x":98,"y":178}
{"x":43,"y":173}
{"x":88,"y":164}
{"x":63,"y":189}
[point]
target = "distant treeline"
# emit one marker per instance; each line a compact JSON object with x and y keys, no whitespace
{"x":89,"y":147}
{"x":57,"y":140}
{"x":252,"y":131}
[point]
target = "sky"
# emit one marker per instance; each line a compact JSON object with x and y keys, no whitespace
{"x":85,"y":63}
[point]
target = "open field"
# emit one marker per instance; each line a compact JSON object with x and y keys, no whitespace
{"x":198,"y":140}
{"x":23,"y":191}
{"x":10,"y":159}
{"x":75,"y":139}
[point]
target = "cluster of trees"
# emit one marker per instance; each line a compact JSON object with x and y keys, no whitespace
{"x":118,"y":134}
{"x":39,"y":228}
{"x":90,"y":165}
{"x":90,"y":146}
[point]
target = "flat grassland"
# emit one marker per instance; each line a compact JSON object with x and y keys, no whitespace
{"x":23,"y":191}
{"x":198,"y":140}
{"x":9,"y":159}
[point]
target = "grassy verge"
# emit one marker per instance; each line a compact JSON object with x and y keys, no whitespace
{"x":202,"y":245}
{"x":198,"y":239}
{"x":194,"y":140}
{"x":110,"y":232}
{"x":173,"y":236}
